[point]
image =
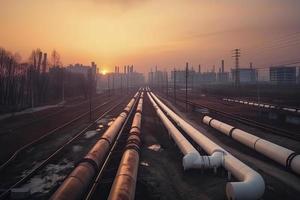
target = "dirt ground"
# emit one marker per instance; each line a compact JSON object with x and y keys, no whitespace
{"x":164,"y":177}
{"x":161,"y":175}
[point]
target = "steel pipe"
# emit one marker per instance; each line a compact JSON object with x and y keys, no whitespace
{"x":124,"y":184}
{"x":76,"y":184}
{"x":282,"y":155}
{"x":250,"y":186}
{"x":192,"y":159}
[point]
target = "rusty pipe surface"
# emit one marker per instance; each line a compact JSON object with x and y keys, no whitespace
{"x":76,"y":184}
{"x":124,"y":184}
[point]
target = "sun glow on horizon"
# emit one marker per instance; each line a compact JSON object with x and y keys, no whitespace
{"x":104,"y":72}
{"x":127,"y":32}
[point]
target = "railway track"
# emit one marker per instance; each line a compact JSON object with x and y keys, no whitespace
{"x":249,"y":122}
{"x":51,"y":132}
{"x":36,"y":119}
{"x":14,"y":168}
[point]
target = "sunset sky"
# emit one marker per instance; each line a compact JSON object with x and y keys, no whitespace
{"x":146,"y":33}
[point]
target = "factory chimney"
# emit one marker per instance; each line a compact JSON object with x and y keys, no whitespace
{"x":222,"y":66}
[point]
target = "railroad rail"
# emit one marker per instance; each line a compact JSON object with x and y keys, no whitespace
{"x":24,"y":179}
{"x":292,"y":110}
{"x":49,"y":133}
{"x":34,"y":121}
{"x":249,"y":122}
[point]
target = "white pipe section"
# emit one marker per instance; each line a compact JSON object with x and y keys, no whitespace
{"x":250,"y":186}
{"x":192,"y":159}
{"x":282,"y":155}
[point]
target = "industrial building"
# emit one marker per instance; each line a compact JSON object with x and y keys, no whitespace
{"x":123,"y":81}
{"x":82,"y":69}
{"x":283,"y":75}
{"x":246,"y":75}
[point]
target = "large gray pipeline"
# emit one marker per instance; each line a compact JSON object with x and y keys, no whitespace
{"x":125,"y":180}
{"x":282,"y":155}
{"x":192,"y":159}
{"x":76,"y":184}
{"x":251,"y":185}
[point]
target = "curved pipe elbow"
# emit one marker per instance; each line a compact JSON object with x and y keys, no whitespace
{"x":250,"y":184}
{"x":252,"y":187}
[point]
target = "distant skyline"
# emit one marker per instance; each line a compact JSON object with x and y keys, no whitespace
{"x":166,"y":33}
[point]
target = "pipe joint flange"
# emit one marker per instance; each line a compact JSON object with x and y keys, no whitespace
{"x":138,"y":111}
{"x":290,"y":159}
{"x":90,"y":161}
{"x":137,"y":133}
{"x":210,"y":121}
{"x":135,"y":127}
{"x":133,"y":146}
{"x":254,"y":145}
{"x":134,"y":141}
{"x":230,"y":132}
{"x":126,"y":112}
{"x":104,"y":138}
{"x":223,"y":153}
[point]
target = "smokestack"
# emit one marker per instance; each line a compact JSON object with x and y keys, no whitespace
{"x":131,"y":68}
{"x":40,"y":61}
{"x":124,"y":69}
{"x":222,"y":66}
{"x":251,"y":65}
{"x":199,"y":69}
{"x":34,"y":60}
{"x":127,"y":69}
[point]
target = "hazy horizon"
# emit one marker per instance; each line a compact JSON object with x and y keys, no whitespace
{"x":149,"y":33}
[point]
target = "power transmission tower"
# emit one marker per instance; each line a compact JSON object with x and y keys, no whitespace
{"x":237,"y":55}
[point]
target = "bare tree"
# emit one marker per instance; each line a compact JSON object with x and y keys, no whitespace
{"x":55,"y":59}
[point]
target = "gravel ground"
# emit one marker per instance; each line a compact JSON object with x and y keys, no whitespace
{"x":161,"y":175}
{"x":11,"y":141}
{"x":280,"y":184}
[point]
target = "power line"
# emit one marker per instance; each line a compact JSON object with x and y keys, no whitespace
{"x":279,"y":39}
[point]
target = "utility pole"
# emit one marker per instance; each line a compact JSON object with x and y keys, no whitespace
{"x":121,"y":82}
{"x":174,"y":84}
{"x":113,"y":83}
{"x":108,"y":87}
{"x":237,"y":55}
{"x":90,"y":75}
{"x":186,"y":84}
{"x":156,"y":78}
{"x":127,"y":79}
{"x":192,"y":76}
{"x":167,"y":83}
{"x":63,"y":84}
